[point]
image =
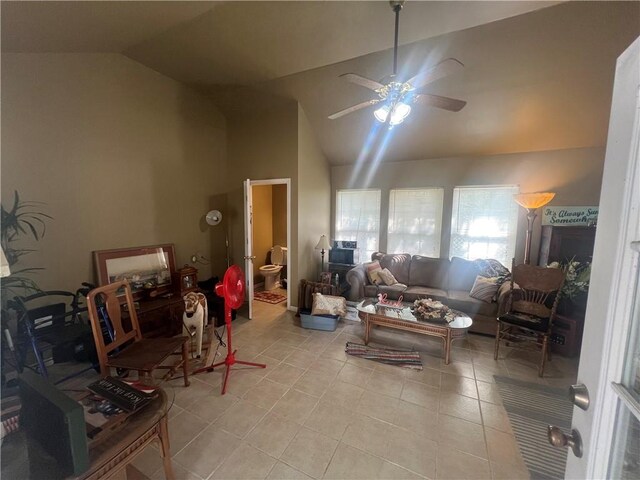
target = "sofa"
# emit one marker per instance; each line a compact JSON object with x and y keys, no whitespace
{"x":449,"y":281}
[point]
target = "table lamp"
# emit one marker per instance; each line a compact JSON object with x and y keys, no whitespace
{"x":531,"y":201}
{"x":323,"y":244}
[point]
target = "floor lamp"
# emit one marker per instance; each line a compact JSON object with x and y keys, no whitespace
{"x":531,"y":201}
{"x":323,"y":244}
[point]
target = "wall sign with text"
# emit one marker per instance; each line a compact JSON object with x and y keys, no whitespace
{"x":570,"y":216}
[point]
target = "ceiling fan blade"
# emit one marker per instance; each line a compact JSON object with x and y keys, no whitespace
{"x":363,"y":81}
{"x":442,"y":69}
{"x":353,"y":108}
{"x":451,"y":104}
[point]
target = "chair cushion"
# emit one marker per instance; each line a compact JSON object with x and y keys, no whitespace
{"x":146,"y":354}
{"x":484,"y":288}
{"x":531,"y":322}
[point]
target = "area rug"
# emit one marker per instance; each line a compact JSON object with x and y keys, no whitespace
{"x":401,"y":358}
{"x":269,"y":297}
{"x":531,"y":408}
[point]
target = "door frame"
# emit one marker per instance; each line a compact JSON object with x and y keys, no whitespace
{"x":290,"y":250}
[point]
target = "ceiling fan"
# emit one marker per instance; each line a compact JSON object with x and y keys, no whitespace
{"x":396,"y":96}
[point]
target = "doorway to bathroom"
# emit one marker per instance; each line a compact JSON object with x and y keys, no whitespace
{"x":268,"y":236}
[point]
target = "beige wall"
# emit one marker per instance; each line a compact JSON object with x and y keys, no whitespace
{"x":279,"y":200}
{"x":314,"y":200}
{"x":262,"y":227}
{"x":574,"y":174}
{"x":121,"y":155}
{"x":262,"y":145}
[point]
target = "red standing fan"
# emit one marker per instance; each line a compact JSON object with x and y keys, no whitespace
{"x":232,"y":290}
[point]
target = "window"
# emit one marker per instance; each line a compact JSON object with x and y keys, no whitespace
{"x":358,"y":218}
{"x":415,"y":220}
{"x":484,"y":222}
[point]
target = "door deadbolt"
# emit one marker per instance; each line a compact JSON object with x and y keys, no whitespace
{"x":559,"y":439}
{"x":579,"y":395}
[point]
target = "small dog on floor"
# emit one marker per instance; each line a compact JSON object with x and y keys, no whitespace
{"x":195,"y":317}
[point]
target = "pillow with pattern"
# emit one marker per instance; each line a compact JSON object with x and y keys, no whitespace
{"x":387,"y":277}
{"x":373,"y":270}
{"x":328,"y":305}
{"x":484,"y":288}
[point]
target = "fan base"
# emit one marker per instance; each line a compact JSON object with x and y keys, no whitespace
{"x":229,"y":361}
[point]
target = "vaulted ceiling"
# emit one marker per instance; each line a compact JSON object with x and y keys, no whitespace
{"x":538,"y":75}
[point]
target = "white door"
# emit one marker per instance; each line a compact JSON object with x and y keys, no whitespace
{"x":248,"y":249}
{"x":610,"y":357}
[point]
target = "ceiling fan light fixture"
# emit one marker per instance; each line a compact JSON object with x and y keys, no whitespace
{"x":381,"y":113}
{"x":400,"y":112}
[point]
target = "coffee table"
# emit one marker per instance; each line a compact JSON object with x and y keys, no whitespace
{"x":403,"y":319}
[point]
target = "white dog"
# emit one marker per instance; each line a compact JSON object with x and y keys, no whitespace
{"x":195,"y":317}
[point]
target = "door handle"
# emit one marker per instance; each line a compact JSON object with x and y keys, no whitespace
{"x":559,"y":439}
{"x":250,"y":257}
{"x":579,"y":395}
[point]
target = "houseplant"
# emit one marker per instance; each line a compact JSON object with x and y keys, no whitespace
{"x":23,"y":219}
{"x":573,"y":296}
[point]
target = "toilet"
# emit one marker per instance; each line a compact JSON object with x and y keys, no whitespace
{"x":271,"y":273}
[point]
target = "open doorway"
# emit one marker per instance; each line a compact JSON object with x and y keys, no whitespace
{"x":268,"y":238}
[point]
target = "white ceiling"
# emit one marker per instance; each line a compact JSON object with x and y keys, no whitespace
{"x":536,"y":78}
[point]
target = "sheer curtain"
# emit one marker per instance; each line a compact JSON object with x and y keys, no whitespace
{"x":415,"y":221}
{"x":358,"y":218}
{"x":484,"y":222}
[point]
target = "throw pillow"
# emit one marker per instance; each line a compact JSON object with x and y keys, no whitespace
{"x":373,"y":269}
{"x":387,"y":277}
{"x":484,"y":288}
{"x":328,"y":305}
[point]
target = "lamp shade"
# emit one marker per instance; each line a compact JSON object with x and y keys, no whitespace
{"x":5,"y":271}
{"x":323,"y":243}
{"x":531,"y":201}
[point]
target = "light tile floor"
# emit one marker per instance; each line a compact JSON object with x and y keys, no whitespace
{"x":316,"y":412}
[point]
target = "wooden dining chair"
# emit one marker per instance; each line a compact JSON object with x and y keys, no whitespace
{"x":531,"y":307}
{"x":119,"y":342}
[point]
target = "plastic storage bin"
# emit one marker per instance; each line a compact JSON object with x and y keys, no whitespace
{"x":319,"y":322}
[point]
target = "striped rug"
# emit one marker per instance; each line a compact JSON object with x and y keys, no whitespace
{"x":531,"y":408}
{"x":400,"y":358}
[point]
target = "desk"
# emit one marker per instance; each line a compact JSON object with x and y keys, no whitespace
{"x":108,"y":457}
{"x":161,"y":317}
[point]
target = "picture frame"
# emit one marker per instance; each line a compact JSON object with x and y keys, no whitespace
{"x":147,"y":268}
{"x":325,"y":277}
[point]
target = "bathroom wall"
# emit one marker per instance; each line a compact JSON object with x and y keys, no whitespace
{"x":262,"y":227}
{"x":279,"y":202}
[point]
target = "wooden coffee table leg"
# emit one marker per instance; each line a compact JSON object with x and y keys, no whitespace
{"x":165,"y":451}
{"x":367,"y":329}
{"x":447,"y":348}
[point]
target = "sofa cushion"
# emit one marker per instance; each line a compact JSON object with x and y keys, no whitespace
{"x":429,"y":272}
{"x":413,"y":293}
{"x":397,"y":263}
{"x":460,"y":300}
{"x":462,"y":274}
{"x":393,"y":291}
{"x":372,"y":269}
{"x":485,"y":288}
{"x":387,"y":277}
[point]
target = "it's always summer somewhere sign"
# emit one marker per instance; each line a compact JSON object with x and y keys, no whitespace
{"x":570,"y":216}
